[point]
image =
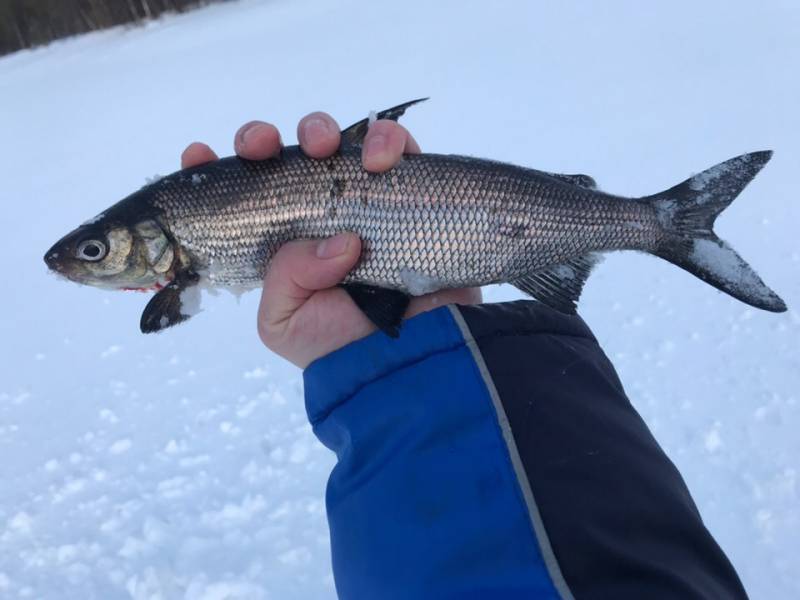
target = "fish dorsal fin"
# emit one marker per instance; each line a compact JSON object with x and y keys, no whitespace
{"x":559,"y":286}
{"x":383,"y":306}
{"x":354,"y":135}
{"x":171,"y":305}
{"x":584,"y":181}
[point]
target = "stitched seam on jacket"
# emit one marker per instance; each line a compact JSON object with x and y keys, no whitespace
{"x":539,"y":532}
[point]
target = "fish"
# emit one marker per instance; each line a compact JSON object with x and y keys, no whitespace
{"x":433,"y":222}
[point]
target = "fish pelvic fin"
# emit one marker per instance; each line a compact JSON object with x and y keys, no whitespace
{"x":687,"y":213}
{"x":383,"y":306}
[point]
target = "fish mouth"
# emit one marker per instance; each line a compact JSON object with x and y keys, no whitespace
{"x":52,"y":260}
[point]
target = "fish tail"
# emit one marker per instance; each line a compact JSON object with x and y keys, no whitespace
{"x":687,"y":213}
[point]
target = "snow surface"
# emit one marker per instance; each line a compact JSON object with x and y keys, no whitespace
{"x":181,"y":465}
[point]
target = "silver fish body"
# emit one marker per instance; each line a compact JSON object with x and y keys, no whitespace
{"x":432,"y":222}
{"x":454,"y":220}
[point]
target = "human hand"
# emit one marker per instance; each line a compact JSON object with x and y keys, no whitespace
{"x":302,"y":315}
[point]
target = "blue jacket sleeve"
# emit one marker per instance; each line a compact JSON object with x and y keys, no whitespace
{"x":464,"y":472}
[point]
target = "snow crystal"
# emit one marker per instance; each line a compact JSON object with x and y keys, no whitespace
{"x":666,"y":208}
{"x":418,"y":283}
{"x":120,"y":446}
{"x":295,"y":556}
{"x":21,"y":522}
{"x":110,"y":351}
{"x":256,"y":373}
{"x":66,"y":553}
{"x":198,"y":178}
{"x":713,"y":440}
{"x":108,"y":415}
{"x":233,"y":512}
{"x":564,"y":272}
{"x":246,"y":410}
{"x":373,"y":116}
{"x":701,"y":181}
{"x":93,"y":220}
{"x":228,"y":428}
{"x":173,"y":487}
{"x":190,"y":301}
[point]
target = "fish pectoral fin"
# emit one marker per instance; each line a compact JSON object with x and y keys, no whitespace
{"x":559,"y":286}
{"x":171,"y":305}
{"x":354,"y":135}
{"x":584,"y":181}
{"x":383,"y":306}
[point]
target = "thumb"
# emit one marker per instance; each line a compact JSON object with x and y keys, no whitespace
{"x":301,"y":268}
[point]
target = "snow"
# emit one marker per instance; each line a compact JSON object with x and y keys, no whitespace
{"x":216,"y":488}
{"x":418,"y":283}
{"x":717,"y":257}
{"x":91,"y":221}
{"x":191,"y":300}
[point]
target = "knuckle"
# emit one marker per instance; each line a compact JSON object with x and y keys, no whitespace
{"x":271,"y":332}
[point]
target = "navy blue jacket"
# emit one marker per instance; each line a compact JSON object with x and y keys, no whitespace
{"x":490,"y":452}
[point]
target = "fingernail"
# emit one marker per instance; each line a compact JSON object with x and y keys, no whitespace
{"x":315,"y":127}
{"x":333,"y":247}
{"x":375,"y":144}
{"x":247,"y":134}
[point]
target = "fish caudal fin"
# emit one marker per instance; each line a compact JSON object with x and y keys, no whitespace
{"x":687,"y":213}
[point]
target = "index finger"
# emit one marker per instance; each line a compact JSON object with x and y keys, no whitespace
{"x":385,"y":144}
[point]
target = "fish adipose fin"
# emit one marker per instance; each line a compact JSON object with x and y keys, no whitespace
{"x":174,"y":304}
{"x":383,"y":306}
{"x":687,"y":213}
{"x":559,"y":286}
{"x":354,"y":135}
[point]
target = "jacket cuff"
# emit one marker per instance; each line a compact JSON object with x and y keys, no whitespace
{"x":333,"y":378}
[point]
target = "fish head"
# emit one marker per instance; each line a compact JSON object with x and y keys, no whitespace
{"x":112,"y":254}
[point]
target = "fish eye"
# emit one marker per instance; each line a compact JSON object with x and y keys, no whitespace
{"x":91,"y":250}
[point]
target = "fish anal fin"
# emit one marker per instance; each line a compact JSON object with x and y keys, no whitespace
{"x":559,"y":286}
{"x":383,"y":306}
{"x":169,"y":306}
{"x":354,"y":135}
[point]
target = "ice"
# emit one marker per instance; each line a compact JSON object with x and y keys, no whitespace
{"x":21,"y":523}
{"x":84,"y":120}
{"x":110,"y":351}
{"x":120,"y":446}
